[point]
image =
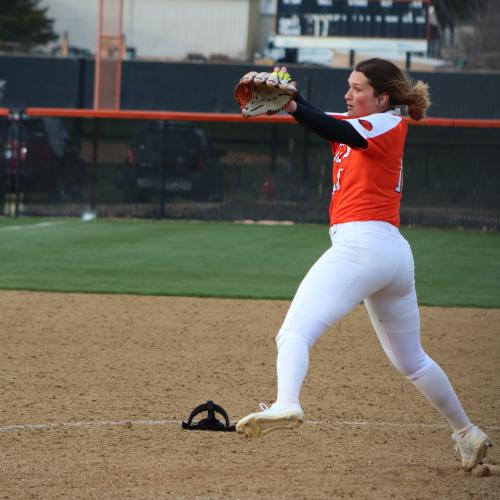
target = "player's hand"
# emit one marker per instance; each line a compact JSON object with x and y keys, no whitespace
{"x":292,"y":105}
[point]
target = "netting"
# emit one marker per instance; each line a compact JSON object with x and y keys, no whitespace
{"x":231,"y":170}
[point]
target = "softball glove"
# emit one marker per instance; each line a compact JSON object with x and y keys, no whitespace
{"x":264,"y":93}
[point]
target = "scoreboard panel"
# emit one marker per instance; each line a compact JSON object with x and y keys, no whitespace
{"x":400,"y":19}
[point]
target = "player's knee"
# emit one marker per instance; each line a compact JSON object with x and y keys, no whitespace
{"x":286,"y":334}
{"x":414,"y":367}
{"x":301,"y":326}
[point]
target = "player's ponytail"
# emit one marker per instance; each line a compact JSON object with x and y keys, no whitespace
{"x":418,"y":100}
{"x":386,"y":78}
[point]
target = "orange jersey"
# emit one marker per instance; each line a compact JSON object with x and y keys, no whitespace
{"x":367,"y":183}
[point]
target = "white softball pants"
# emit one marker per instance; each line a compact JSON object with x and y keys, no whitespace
{"x":370,"y":262}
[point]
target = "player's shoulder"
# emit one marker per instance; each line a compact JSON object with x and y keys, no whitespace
{"x":377,"y":123}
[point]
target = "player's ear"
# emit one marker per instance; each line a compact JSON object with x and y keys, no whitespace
{"x":383,"y":99}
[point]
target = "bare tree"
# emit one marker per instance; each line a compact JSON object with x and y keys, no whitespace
{"x":481,"y":44}
{"x":471,"y":38}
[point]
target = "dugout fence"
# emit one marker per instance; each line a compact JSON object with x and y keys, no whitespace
{"x":210,"y":166}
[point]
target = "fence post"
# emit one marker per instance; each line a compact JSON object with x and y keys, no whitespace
{"x":165,"y":125}
{"x":16,"y":120}
{"x":408,"y":61}
{"x":95,"y":161}
{"x":305,"y":150}
{"x":352,"y":58}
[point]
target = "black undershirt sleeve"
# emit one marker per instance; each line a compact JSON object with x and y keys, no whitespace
{"x":328,"y":127}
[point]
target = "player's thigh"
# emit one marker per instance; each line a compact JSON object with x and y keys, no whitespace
{"x":395,"y":305}
{"x":334,"y":285}
{"x":396,"y":320}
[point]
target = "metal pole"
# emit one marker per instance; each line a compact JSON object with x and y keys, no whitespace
{"x":305,"y":151}
{"x":95,"y":160}
{"x":17,"y":135}
{"x":408,"y":61}
{"x":16,"y":118}
{"x":163,"y":171}
{"x":273,"y":148}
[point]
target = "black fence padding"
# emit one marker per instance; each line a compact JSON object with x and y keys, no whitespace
{"x":462,"y":95}
{"x":208,"y":87}
{"x":41,"y":82}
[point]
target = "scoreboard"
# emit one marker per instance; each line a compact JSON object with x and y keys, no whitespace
{"x":396,"y":19}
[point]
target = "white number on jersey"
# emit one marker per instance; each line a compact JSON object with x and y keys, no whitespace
{"x":399,"y":187}
{"x":336,"y":184}
{"x":342,"y":152}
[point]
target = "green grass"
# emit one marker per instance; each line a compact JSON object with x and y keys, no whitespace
{"x":222,"y":259}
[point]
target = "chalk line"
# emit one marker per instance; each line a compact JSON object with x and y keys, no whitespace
{"x":38,"y":225}
{"x":147,"y":422}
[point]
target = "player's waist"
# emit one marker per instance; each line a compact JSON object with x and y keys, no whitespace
{"x":376,"y":225}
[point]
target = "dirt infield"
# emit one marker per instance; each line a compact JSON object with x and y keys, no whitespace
{"x":93,"y":389}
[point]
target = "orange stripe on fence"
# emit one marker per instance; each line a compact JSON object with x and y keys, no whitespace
{"x":155,"y":115}
{"x":456,"y":122}
{"x":227,"y":117}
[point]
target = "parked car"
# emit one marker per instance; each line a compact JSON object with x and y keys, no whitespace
{"x":49,"y":159}
{"x":174,"y":160}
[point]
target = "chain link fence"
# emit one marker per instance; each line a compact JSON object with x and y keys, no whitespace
{"x":74,"y":166}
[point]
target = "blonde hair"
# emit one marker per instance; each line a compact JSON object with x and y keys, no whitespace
{"x":386,"y":78}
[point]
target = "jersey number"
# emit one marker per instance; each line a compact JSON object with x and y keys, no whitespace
{"x":342,"y":152}
{"x":336,"y":184}
{"x":399,"y":187}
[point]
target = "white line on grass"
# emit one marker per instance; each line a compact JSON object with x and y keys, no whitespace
{"x":129,"y":423}
{"x":38,"y":225}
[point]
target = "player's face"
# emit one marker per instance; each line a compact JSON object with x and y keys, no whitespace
{"x":360,"y":98}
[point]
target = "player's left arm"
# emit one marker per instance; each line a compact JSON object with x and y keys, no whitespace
{"x":327,"y":126}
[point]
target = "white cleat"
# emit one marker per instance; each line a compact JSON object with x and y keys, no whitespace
{"x":278,"y":416}
{"x":472,"y":444}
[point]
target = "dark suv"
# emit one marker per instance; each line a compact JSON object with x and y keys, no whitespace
{"x":174,"y":160}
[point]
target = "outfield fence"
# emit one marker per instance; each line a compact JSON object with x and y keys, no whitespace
{"x":212,"y":166}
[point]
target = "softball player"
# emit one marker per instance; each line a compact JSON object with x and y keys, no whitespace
{"x":369,"y":260}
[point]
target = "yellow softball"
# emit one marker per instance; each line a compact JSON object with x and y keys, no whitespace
{"x":284,"y":77}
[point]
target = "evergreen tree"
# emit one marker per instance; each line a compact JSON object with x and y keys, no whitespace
{"x":24,"y":25}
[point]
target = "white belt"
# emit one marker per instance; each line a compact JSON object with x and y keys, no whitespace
{"x":376,"y":224}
